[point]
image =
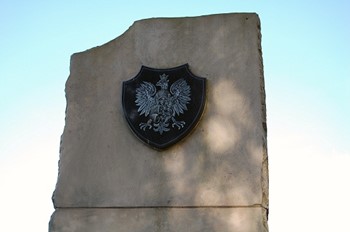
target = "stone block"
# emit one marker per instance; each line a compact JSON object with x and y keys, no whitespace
{"x":215,"y":179}
{"x":163,"y":219}
{"x":102,"y":164}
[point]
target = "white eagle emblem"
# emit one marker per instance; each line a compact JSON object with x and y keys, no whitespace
{"x":162,"y":106}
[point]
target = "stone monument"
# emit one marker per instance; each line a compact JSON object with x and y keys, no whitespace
{"x":214,"y":177}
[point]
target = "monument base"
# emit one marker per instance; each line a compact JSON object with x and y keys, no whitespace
{"x":159,"y":219}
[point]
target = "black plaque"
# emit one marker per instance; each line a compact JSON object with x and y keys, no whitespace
{"x":162,"y":106}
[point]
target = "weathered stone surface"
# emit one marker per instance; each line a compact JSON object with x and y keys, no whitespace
{"x":151,"y":220}
{"x":102,"y":164}
{"x":216,"y":178}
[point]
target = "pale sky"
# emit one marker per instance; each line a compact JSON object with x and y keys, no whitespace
{"x":306,"y":52}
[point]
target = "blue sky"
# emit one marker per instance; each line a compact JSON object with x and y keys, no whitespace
{"x":306,"y":53}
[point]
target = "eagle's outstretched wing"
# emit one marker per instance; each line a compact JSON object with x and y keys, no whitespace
{"x":181,"y":92}
{"x":145,"y":97}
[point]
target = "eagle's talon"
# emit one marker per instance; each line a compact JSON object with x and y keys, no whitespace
{"x":179,"y":124}
{"x":143,"y":125}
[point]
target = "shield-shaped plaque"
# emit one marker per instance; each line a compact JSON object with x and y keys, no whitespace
{"x":162,"y":106}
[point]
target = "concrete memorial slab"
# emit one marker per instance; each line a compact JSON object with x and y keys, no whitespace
{"x":213,"y":179}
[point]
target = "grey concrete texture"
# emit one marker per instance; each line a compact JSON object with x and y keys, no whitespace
{"x":223,"y":162}
{"x":157,"y":220}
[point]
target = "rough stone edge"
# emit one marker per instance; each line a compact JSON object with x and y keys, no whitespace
{"x":265,"y":164}
{"x":72,"y":59}
{"x":138,"y":21}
